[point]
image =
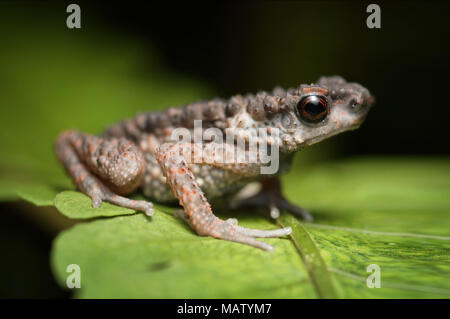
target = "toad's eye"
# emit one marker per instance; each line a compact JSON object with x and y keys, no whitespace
{"x":313,"y":108}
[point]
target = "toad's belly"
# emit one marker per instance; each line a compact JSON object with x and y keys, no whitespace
{"x":214,"y":182}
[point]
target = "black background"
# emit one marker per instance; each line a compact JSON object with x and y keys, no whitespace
{"x":247,"y":46}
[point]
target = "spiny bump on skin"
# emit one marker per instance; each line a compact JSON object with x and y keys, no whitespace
{"x":234,"y":105}
{"x":271,"y":104}
{"x":256,"y":108}
{"x":214,"y":110}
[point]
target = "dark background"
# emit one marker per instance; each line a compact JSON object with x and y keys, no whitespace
{"x":239,"y":47}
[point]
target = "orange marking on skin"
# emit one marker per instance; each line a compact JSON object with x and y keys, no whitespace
{"x":323,"y":91}
{"x":80,"y":178}
{"x":66,"y":151}
{"x":91,"y":147}
{"x":73,"y":168}
{"x":167,"y":131}
{"x":77,"y":142}
{"x":181,"y":170}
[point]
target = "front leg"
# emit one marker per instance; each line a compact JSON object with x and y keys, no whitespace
{"x":173,"y":159}
{"x":271,"y":197}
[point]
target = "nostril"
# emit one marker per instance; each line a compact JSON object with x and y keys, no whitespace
{"x":363,"y":102}
{"x":355,"y":104}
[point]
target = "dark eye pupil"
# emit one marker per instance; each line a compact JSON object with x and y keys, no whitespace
{"x":313,"y":108}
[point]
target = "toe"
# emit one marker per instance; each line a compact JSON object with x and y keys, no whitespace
{"x":224,"y":230}
{"x":263,"y":233}
{"x":96,"y":202}
{"x":274,"y":212}
{"x":232,"y":221}
{"x":149,"y":211}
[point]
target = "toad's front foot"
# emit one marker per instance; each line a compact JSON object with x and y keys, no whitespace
{"x":270,"y":196}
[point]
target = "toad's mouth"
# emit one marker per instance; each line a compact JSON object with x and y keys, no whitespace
{"x":318,"y":139}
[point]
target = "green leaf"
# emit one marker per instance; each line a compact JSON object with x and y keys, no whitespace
{"x":392,"y":212}
{"x":159,"y":257}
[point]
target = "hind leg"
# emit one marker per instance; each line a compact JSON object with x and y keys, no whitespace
{"x":197,"y":212}
{"x":103,"y":168}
